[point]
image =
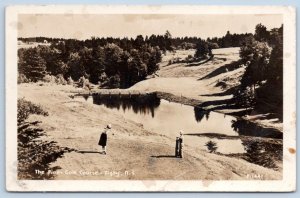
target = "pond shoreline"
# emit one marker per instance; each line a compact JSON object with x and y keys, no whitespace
{"x":172,"y":98}
{"x":194,"y":102}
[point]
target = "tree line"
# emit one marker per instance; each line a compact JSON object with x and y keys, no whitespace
{"x":112,"y":62}
{"x":229,"y":40}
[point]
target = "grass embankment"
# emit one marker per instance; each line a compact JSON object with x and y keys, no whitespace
{"x":149,"y":154}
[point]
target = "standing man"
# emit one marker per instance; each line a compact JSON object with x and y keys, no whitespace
{"x":103,"y":139}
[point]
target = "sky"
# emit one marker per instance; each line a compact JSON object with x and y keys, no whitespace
{"x":84,"y":26}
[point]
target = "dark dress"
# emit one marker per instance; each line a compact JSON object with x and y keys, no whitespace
{"x":103,"y":139}
{"x":178,"y":147}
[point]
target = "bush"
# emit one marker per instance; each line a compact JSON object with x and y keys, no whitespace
{"x":60,"y":79}
{"x":211,"y":146}
{"x":213,"y":45}
{"x":70,"y":81}
{"x":114,"y":81}
{"x":103,"y":78}
{"x":83,"y":82}
{"x":255,"y":153}
{"x":187,"y":46}
{"x":202,"y":50}
{"x":189,"y":58}
{"x":25,"y":108}
{"x":49,"y":79}
{"x":34,"y":153}
{"x":22,"y":79}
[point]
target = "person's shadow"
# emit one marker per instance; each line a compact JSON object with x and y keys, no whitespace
{"x":164,"y":156}
{"x":83,"y":152}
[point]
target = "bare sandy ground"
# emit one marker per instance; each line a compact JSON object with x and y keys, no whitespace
{"x":133,"y":152}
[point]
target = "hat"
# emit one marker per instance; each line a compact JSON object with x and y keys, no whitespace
{"x":108,"y":126}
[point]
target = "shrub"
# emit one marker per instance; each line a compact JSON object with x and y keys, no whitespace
{"x":211,"y":146}
{"x":245,"y":97}
{"x":60,"y":79}
{"x":186,"y":45}
{"x":83,"y":82}
{"x":34,"y":153}
{"x":255,"y":153}
{"x":22,"y":79}
{"x":213,"y":45}
{"x":70,"y":81}
{"x":103,"y":79}
{"x":49,"y":79}
{"x":189,"y":58}
{"x":202,"y":50}
{"x":25,"y":108}
{"x":114,"y":81}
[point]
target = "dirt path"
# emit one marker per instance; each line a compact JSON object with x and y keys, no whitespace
{"x":133,"y":152}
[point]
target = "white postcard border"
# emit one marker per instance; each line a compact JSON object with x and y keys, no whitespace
{"x":288,"y":183}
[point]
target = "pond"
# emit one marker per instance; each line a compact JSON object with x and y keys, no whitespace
{"x":199,"y":126}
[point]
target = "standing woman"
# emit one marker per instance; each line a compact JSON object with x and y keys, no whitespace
{"x":181,"y":144}
{"x":103,"y":139}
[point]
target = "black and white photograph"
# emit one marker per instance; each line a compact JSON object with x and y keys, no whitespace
{"x":173,"y":96}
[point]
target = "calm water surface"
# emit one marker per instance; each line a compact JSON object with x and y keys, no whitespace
{"x":168,"y":118}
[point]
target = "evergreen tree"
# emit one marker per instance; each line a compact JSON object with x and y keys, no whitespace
{"x":168,"y":41}
{"x":139,"y":42}
{"x":33,"y":65}
{"x":211,"y":146}
{"x":202,"y":49}
{"x":261,"y":33}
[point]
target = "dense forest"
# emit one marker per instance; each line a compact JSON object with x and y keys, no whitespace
{"x":110,"y":62}
{"x":107,"y":63}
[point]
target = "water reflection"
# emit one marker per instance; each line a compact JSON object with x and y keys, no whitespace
{"x":200,"y":113}
{"x":247,"y":128}
{"x":172,"y":117}
{"x":142,"y":104}
{"x":86,"y":97}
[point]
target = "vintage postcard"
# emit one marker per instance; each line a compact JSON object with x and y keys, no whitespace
{"x":150,"y":98}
